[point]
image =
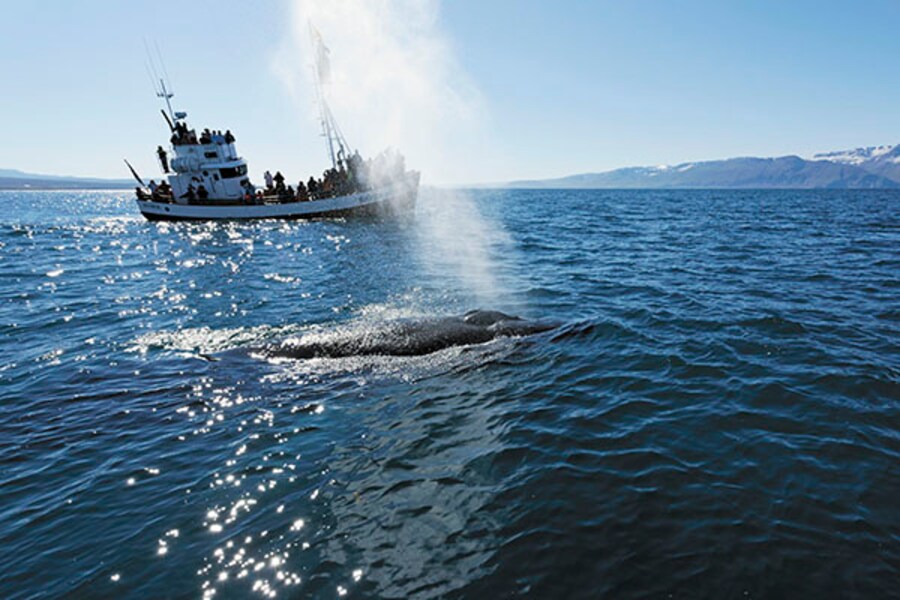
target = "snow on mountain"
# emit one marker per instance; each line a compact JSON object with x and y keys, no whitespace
{"x":859,"y":156}
{"x":876,"y":167}
{"x":883,"y":161}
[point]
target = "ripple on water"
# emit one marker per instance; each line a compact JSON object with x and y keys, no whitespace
{"x":715,"y":417}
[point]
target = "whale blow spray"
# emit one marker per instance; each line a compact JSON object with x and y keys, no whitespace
{"x":394,"y":82}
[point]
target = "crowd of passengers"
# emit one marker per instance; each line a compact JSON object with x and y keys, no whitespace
{"x":182,"y":136}
{"x":352,"y":175}
{"x":348,"y":178}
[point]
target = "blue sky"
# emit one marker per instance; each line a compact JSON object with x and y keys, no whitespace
{"x":557,"y":88}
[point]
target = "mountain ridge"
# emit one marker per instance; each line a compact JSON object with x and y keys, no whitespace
{"x":874,"y":167}
{"x":13,"y":179}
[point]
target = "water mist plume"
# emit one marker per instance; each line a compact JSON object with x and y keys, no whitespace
{"x":394,"y":80}
{"x":395,"y":83}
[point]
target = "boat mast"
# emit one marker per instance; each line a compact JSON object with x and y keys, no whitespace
{"x":163,"y":92}
{"x":325,"y":121}
{"x":164,"y":89}
{"x":322,"y":72}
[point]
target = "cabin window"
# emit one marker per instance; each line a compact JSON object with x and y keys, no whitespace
{"x":232,"y":172}
{"x":210,"y":155}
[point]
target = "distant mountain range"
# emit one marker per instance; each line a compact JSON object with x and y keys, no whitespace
{"x":876,"y":167}
{"x":10,"y":179}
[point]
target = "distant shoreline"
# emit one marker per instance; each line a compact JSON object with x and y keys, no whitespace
{"x":106,"y":188}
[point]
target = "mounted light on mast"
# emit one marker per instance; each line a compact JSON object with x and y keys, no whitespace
{"x":167,"y":95}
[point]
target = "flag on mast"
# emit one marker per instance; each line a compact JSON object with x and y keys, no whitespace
{"x":323,"y":63}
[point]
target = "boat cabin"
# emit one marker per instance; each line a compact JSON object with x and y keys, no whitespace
{"x":210,"y":161}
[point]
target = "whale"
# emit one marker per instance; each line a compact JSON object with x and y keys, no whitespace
{"x":405,"y":337}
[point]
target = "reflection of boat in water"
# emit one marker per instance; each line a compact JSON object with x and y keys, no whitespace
{"x":207,"y":179}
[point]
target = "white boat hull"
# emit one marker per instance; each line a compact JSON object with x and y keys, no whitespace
{"x":397,"y":198}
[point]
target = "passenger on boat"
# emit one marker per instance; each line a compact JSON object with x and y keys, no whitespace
{"x":164,"y":191}
{"x":313,"y":187}
{"x":217,"y":137}
{"x":289,"y":195}
{"x":153,"y":187}
{"x":183,"y":135}
{"x":163,"y":158}
{"x":179,"y":134}
{"x":279,"y":180}
{"x":268,"y":177}
{"x":302,"y":194}
{"x":355,"y":162}
{"x":190,"y":194}
{"x":343,"y":181}
{"x":202,"y":192}
{"x":229,"y":138}
{"x":205,"y":137}
{"x":249,"y":190}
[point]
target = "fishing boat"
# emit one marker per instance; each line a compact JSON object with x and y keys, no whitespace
{"x":205,"y":178}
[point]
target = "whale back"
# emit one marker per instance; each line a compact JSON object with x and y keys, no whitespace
{"x":405,"y":337}
{"x":486,"y":318}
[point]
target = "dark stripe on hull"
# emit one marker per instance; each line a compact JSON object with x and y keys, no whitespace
{"x":369,"y":210}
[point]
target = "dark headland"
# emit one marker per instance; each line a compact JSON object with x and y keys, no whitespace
{"x":11,"y":179}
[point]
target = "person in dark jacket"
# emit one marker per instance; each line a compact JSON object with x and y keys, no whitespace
{"x":163,"y":158}
{"x":190,"y":194}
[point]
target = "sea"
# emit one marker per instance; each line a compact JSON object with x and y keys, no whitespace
{"x":717,"y":414}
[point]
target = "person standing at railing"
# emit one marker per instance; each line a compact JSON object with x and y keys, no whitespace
{"x":163,"y":159}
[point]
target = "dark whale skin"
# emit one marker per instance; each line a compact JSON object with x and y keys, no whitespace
{"x":408,"y":337}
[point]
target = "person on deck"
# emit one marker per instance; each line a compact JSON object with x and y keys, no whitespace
{"x":313,"y":187}
{"x":229,"y":137}
{"x":343,"y":181}
{"x":202,"y":192}
{"x":190,"y":194}
{"x":302,"y":194}
{"x":164,"y":191}
{"x":279,"y":180}
{"x":163,"y":159}
{"x":153,"y":187}
{"x":268,"y":177}
{"x":249,"y":191}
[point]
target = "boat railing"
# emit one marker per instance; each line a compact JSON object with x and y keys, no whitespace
{"x":261,"y":199}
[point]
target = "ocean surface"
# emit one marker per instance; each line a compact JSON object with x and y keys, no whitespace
{"x":717,"y":416}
